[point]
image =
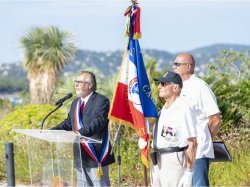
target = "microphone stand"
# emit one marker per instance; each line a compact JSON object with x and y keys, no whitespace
{"x":118,"y":138}
{"x":41,"y":128}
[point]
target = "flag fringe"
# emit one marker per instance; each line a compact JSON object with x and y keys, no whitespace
{"x":144,"y":160}
{"x":137,"y":35}
{"x":120,"y":121}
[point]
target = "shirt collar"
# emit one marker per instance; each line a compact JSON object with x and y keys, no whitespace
{"x":190,"y":78}
{"x":85,"y":100}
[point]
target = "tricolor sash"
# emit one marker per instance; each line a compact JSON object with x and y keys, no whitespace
{"x":88,"y":146}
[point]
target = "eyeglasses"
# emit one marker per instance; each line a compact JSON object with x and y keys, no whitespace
{"x":177,"y":64}
{"x":81,"y":83}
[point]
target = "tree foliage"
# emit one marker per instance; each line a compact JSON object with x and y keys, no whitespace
{"x":9,"y":85}
{"x":46,"y":51}
{"x":230,"y":81}
{"x":26,"y":117}
{"x":5,"y":107}
{"x":153,"y":72}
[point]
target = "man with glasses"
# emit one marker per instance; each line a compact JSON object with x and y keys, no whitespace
{"x":89,"y":116}
{"x":202,"y":100}
{"x":174,"y":137}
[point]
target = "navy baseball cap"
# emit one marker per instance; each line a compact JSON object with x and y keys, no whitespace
{"x":170,"y":77}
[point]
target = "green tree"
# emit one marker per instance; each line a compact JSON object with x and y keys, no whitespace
{"x":5,"y":107}
{"x":25,"y":117}
{"x":10,"y":84}
{"x":46,"y":51}
{"x":153,"y":72}
{"x":229,"y":78}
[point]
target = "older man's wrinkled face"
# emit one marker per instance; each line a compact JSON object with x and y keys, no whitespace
{"x":83,"y":85}
{"x":166,"y":90}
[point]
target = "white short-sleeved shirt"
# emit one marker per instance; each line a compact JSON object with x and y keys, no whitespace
{"x":175,"y":125}
{"x":203,"y":102}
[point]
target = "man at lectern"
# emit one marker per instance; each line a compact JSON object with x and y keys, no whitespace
{"x":89,"y":116}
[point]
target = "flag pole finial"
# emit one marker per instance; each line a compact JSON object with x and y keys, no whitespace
{"x":133,"y":20}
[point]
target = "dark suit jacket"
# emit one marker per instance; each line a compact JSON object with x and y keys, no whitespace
{"x":95,"y":120}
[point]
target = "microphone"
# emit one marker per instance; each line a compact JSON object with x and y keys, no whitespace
{"x":59,"y":103}
{"x":69,"y":95}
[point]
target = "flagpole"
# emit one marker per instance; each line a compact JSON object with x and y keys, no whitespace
{"x":132,"y":78}
{"x":117,"y":139}
{"x":145,"y":176}
{"x":119,"y":157}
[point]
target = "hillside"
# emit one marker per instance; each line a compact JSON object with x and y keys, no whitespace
{"x":108,"y":62}
{"x":208,"y":54}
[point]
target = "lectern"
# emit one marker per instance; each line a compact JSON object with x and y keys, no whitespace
{"x":54,"y":156}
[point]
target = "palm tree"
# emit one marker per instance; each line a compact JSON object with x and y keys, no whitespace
{"x":46,"y":51}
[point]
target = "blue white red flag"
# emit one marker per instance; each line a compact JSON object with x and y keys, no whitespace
{"x":132,"y":102}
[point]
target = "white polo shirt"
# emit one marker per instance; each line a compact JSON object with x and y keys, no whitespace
{"x":202,"y":100}
{"x":175,"y":125}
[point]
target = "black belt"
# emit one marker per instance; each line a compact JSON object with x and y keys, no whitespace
{"x":171,"y":149}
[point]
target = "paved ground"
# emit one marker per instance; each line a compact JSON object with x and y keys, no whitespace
{"x":4,"y":184}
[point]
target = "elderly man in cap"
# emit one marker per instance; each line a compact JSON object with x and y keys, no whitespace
{"x":174,"y":136}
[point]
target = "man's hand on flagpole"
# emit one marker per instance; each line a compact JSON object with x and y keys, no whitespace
{"x":142,"y":143}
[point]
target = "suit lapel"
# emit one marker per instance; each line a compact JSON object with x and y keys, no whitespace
{"x":73,"y":122}
{"x":89,"y":103}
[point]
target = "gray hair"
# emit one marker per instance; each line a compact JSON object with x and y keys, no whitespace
{"x":92,"y":79}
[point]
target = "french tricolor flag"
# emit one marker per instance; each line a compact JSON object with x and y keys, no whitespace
{"x":132,"y":103}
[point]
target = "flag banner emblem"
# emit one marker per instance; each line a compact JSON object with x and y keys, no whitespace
{"x":132,"y":103}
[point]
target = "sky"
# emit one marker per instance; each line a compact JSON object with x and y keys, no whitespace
{"x":98,"y":25}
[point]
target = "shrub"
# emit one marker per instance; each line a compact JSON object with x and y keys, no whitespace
{"x":30,"y":117}
{"x":5,"y":107}
{"x":132,"y":170}
{"x":27,"y":117}
{"x":229,"y":79}
{"x":237,"y":172}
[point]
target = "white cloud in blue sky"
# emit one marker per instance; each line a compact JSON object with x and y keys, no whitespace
{"x":99,"y":24}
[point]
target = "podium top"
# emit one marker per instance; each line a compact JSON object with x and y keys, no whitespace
{"x":56,"y":135}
